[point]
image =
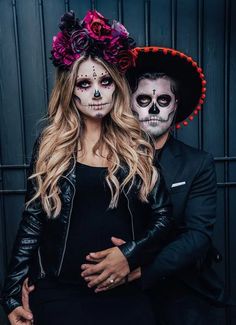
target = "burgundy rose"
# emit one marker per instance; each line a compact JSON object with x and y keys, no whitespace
{"x":112,"y":49}
{"x":61,"y":50}
{"x":80,"y":41}
{"x":97,"y":26}
{"x":125,"y":60}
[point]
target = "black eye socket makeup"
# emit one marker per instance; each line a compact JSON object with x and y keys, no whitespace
{"x":83,"y":84}
{"x":164,"y":100}
{"x":106,"y":81}
{"x":143,"y":100}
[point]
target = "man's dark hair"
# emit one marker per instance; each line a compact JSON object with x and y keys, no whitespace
{"x":174,"y":84}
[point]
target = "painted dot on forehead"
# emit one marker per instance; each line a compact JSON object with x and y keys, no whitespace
{"x":154,"y":91}
{"x":94,"y":73}
{"x":104,"y":74}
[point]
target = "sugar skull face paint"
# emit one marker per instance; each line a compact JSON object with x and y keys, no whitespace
{"x":94,"y":89}
{"x":155,"y":105}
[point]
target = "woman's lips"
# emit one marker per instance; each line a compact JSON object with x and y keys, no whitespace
{"x":98,"y":107}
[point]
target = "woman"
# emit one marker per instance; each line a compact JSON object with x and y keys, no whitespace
{"x":91,"y":177}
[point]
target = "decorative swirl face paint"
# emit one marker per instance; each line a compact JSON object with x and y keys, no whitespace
{"x":93,"y":79}
{"x":155,"y":104}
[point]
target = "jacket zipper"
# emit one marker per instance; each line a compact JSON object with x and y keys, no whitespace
{"x":67,"y":230}
{"x":131,"y":217}
{"x":42,"y":272}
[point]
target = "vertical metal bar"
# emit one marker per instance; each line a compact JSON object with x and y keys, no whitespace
{"x":19,"y":79}
{"x":226,"y":154}
{"x":200,"y":62}
{"x":93,"y":5}
{"x":3,"y":222}
{"x":42,"y":35}
{"x":67,"y":5}
{"x":120,"y":11}
{"x":147,"y":22}
{"x":173,"y":23}
{"x":173,"y":37}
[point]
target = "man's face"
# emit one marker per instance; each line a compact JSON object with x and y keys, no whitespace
{"x":94,"y":89}
{"x":155,"y":105}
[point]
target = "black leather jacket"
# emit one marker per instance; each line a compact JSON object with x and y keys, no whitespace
{"x":40,"y":243}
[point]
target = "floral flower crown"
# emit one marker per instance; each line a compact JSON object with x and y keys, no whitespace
{"x":92,"y":36}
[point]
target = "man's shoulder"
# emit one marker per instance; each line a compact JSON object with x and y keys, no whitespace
{"x":190,"y":152}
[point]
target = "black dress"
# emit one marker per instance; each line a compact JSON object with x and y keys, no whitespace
{"x":68,"y":300}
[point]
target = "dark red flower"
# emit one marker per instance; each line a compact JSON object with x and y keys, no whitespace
{"x":125,"y":60}
{"x":97,"y":26}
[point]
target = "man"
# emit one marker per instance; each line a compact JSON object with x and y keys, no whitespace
{"x":168,"y":87}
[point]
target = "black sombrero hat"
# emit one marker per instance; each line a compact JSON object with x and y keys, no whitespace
{"x":178,"y":66}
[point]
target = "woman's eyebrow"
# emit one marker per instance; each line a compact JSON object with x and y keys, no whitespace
{"x":83,"y":77}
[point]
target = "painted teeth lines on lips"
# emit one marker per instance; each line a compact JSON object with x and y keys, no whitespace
{"x":97,"y":106}
{"x":151,"y":119}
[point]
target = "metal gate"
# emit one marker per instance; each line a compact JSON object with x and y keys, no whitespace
{"x":204,"y":29}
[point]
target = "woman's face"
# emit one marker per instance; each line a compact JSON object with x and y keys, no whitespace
{"x":94,"y":89}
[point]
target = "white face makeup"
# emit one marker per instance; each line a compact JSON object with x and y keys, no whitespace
{"x":155,"y":104}
{"x":93,"y":90}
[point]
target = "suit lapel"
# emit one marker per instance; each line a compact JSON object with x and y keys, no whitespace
{"x":170,"y":161}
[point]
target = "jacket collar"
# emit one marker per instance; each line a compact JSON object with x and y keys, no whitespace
{"x":170,"y":161}
{"x":70,"y":172}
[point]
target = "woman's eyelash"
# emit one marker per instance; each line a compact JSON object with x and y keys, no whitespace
{"x":83,"y":84}
{"x":106,"y":80}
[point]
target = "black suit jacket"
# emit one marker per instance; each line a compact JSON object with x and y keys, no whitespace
{"x":191,"y":181}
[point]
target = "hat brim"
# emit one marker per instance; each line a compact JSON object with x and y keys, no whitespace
{"x":180,"y":67}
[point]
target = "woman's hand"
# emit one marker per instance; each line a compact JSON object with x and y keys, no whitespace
{"x":112,"y":268}
{"x":20,"y":316}
{"x":134,"y":275}
{"x":26,"y":289}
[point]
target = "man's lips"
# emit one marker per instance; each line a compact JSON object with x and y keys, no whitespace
{"x":152,"y":119}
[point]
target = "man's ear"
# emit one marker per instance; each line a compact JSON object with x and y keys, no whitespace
{"x":174,"y":118}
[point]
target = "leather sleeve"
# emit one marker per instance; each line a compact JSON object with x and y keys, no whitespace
{"x":195,"y":239}
{"x":142,"y":251}
{"x":25,"y":245}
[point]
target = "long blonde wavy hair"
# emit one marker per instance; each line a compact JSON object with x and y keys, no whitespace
{"x":121,"y":136}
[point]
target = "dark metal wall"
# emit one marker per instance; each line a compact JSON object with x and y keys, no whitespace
{"x":204,"y":29}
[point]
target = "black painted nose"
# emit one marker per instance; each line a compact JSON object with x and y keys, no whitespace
{"x":97,"y":94}
{"x":154,"y":109}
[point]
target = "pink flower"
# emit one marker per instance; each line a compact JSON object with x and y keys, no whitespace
{"x":97,"y":26}
{"x":62,"y":51}
{"x":119,"y":30}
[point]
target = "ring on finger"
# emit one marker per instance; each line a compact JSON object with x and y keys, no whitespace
{"x":111,"y":280}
